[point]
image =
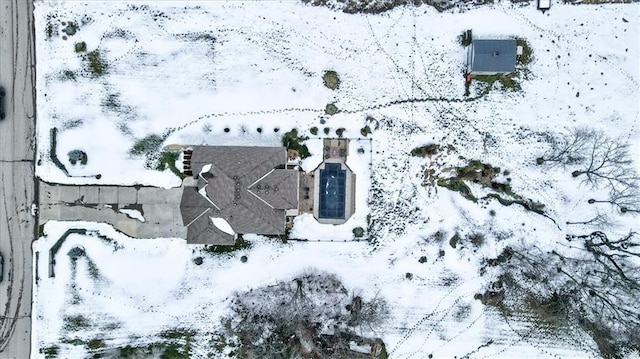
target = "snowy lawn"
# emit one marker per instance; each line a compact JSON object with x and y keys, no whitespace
{"x":124,"y":291}
{"x":243,"y":73}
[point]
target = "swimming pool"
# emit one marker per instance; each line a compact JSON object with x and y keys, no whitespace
{"x":332,"y":191}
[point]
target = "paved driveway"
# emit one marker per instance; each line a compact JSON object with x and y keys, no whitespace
{"x":160,"y":208}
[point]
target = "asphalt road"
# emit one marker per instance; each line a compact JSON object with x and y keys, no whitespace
{"x":17,"y":180}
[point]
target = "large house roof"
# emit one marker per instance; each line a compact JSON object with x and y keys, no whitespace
{"x":272,"y":189}
{"x":493,"y":56}
{"x":248,"y":187}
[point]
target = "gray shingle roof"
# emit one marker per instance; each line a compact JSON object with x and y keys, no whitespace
{"x":233,"y":171}
{"x":202,"y":231}
{"x":272,"y":189}
{"x":196,"y":213}
{"x":493,"y":56}
{"x":192,"y":204}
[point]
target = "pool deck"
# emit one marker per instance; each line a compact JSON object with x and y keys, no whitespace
{"x":305,"y":201}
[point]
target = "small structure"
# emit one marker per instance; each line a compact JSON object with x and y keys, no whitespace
{"x":236,"y":190}
{"x":491,"y":57}
{"x":544,"y":5}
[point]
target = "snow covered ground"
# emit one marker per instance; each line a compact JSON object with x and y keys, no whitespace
{"x":191,"y":70}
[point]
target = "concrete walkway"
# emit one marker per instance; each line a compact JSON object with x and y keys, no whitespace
{"x":160,"y":208}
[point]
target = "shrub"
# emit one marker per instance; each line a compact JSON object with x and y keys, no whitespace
{"x":168,"y":159}
{"x":75,"y":323}
{"x":80,"y":46}
{"x":49,"y":30}
{"x":527,"y":52}
{"x":438,"y":236}
{"x":69,"y":75}
{"x":259,"y":129}
{"x":146,"y":145}
{"x":457,"y":185}
{"x":97,"y":65}
{"x":240,"y":244}
{"x":127,"y":352}
{"x":453,"y":242}
{"x":550,"y":312}
{"x":326,"y":130}
{"x":76,"y":252}
{"x":304,"y":152}
{"x":290,"y":139}
{"x":331,"y":79}
{"x":71,"y":28}
{"x":331,"y":109}
{"x":95,"y":344}
{"x":358,"y":232}
{"x":50,"y":352}
{"x":77,"y":155}
{"x":365,"y":131}
{"x":427,"y":150}
{"x":172,"y":352}
{"x":466,"y":38}
{"x":340,"y":131}
{"x":409,"y":276}
{"x":314,"y":131}
{"x":227,"y":129}
{"x":477,"y":239}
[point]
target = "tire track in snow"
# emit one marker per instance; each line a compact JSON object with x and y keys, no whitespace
{"x":434,"y":312}
{"x":435,"y":325}
{"x":399,"y":69}
{"x":460,"y":332}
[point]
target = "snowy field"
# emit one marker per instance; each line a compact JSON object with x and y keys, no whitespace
{"x":189,"y":71}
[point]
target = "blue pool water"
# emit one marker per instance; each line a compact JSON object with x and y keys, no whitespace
{"x":332,"y":191}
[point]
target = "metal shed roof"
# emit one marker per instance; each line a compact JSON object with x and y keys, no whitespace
{"x":493,"y":56}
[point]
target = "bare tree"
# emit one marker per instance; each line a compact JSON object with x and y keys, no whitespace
{"x":602,"y":162}
{"x":568,"y":149}
{"x":369,"y":314}
{"x":607,"y":161}
{"x":599,"y":220}
{"x":591,"y":281}
{"x":308,"y":316}
{"x":627,"y":199}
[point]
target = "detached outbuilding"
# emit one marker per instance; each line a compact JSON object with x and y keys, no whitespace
{"x":544,"y":5}
{"x":491,"y":57}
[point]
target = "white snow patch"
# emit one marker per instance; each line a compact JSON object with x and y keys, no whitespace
{"x":206,"y":168}
{"x":132,"y":213}
{"x":222,"y":225}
